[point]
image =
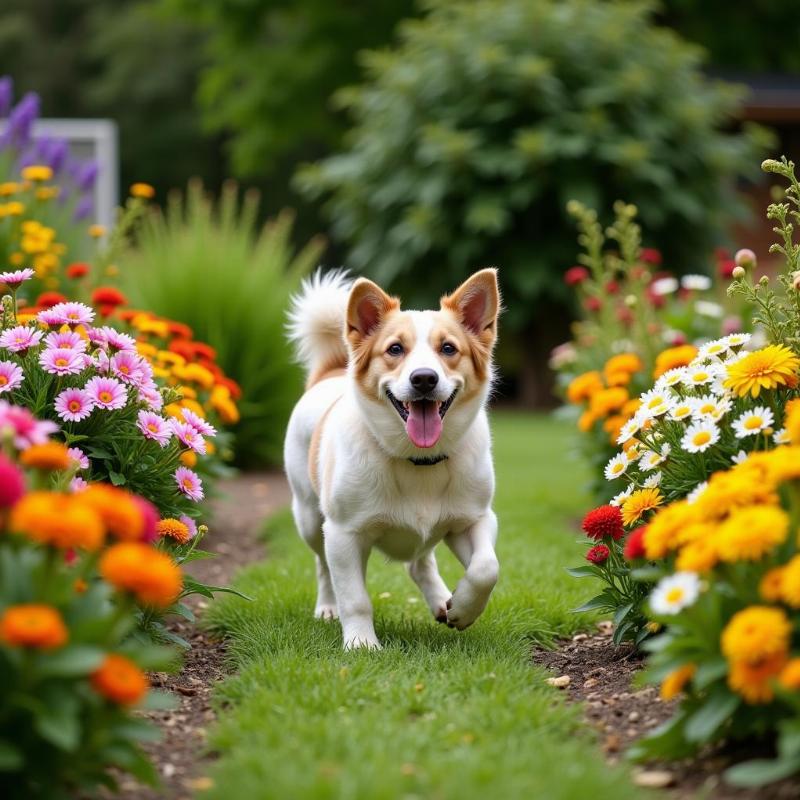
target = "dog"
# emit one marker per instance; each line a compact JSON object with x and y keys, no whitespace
{"x":390,"y":447}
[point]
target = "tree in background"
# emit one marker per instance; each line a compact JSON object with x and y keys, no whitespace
{"x":470,"y":136}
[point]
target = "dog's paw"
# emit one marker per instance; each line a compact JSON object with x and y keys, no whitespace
{"x":326,"y":612}
{"x":463,"y":610}
{"x":362,"y":642}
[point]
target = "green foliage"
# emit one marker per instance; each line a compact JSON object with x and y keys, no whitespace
{"x":211,"y":267}
{"x":436,"y":713}
{"x":470,"y":136}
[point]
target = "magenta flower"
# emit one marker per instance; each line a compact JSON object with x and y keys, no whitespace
{"x":79,"y":457}
{"x":65,"y":340}
{"x":72,"y":313}
{"x":127,"y":366}
{"x":150,"y":395}
{"x":20,"y":338}
{"x":10,"y":376}
{"x":23,"y":426}
{"x":188,"y":436}
{"x":12,"y":482}
{"x":61,"y":361}
{"x":73,"y":405}
{"x":14,"y":279}
{"x":77,"y":484}
{"x":190,"y":524}
{"x":198,"y":423}
{"x":107,"y":393}
{"x":49,"y":317}
{"x":118,"y":341}
{"x":189,"y":483}
{"x":154,"y":427}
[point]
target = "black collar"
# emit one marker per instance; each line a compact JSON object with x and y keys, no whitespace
{"x":427,"y":461}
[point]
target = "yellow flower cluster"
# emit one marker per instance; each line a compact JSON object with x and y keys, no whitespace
{"x":605,"y":395}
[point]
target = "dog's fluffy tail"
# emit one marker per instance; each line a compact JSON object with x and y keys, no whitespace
{"x":316,"y":322}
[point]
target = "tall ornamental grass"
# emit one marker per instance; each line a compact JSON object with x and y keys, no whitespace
{"x":211,"y":265}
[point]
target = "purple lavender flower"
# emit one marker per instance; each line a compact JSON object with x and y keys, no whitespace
{"x":87,"y":175}
{"x":6,"y":95}
{"x":20,"y":121}
{"x":84,"y":209}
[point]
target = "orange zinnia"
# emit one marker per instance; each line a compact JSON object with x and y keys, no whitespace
{"x":33,"y":625}
{"x":150,"y":575}
{"x":117,"y":508}
{"x":173,"y":528}
{"x":118,"y":679}
{"x":49,"y":456}
{"x":58,"y":519}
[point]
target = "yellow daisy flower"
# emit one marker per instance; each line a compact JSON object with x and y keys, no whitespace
{"x":639,"y":503}
{"x":768,"y":368}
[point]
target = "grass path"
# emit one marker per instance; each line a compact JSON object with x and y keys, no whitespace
{"x":437,"y":713}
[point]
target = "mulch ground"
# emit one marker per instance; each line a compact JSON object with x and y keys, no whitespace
{"x":180,"y":756}
{"x":601,"y":677}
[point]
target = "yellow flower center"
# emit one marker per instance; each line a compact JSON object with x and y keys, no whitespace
{"x":61,"y":362}
{"x":701,"y":438}
{"x":106,"y":397}
{"x":699,"y":377}
{"x":187,"y":483}
{"x":655,"y":402}
{"x":708,"y":408}
{"x":616,"y":469}
{"x":3,"y":380}
{"x":152,"y":427}
{"x":753,"y":423}
{"x":682,"y":411}
{"x":675,"y":595}
{"x":74,"y":405}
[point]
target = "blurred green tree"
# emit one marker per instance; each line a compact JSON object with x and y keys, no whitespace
{"x":470,"y":136}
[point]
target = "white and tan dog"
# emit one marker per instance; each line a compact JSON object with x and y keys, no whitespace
{"x":389,"y":447}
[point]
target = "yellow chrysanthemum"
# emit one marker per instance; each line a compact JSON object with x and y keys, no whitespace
{"x":790,"y":583}
{"x":771,"y":585}
{"x":674,"y":357}
{"x":768,"y":368}
{"x":755,"y":634}
{"x":792,"y":420}
{"x":639,"y":503}
{"x":780,"y":465}
{"x":751,"y":532}
{"x":586,"y":421}
{"x":676,"y":681}
{"x":624,"y":362}
{"x":605,"y":401}
{"x":617,"y":378}
{"x":753,"y":681}
{"x":727,"y":491}
{"x":584,"y":386}
{"x":663,"y":533}
{"x":700,"y":555}
{"x":790,"y":675}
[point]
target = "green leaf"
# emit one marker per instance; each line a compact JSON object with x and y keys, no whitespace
{"x":716,"y":709}
{"x":710,"y":671}
{"x":623,"y":612}
{"x":117,"y":478}
{"x":71,"y":661}
{"x":10,"y":757}
{"x":584,"y":572}
{"x":761,"y":771}
{"x":57,"y":720}
{"x":98,"y":453}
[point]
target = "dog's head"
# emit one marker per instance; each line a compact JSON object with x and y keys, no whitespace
{"x":419,"y":369}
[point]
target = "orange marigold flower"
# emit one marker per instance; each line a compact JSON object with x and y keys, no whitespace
{"x":118,"y":679}
{"x":57,"y":519}
{"x":143,"y":190}
{"x":117,"y":508}
{"x":753,"y":681}
{"x":674,"y":357}
{"x":188,"y":458}
{"x":150,"y":575}
{"x":584,"y":386}
{"x":33,"y":625}
{"x":771,"y":586}
{"x":37,"y":172}
{"x":623,"y":362}
{"x":173,"y":528}
{"x":675,"y":682}
{"x":790,"y":675}
{"x":50,"y":456}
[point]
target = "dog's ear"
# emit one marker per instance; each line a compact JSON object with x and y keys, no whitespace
{"x":476,"y":303}
{"x":367,"y":306}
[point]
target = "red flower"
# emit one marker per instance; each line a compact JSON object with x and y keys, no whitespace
{"x":602,"y":522}
{"x":678,"y":339}
{"x":634,"y":544}
{"x":625,"y":315}
{"x":593,"y":304}
{"x":651,"y":256}
{"x":233,"y":387}
{"x":12,"y":485}
{"x":49,"y":299}
{"x":108,"y":296}
{"x":77,"y":270}
{"x":576,"y":275}
{"x":179,"y":330}
{"x":612,"y":287}
{"x":598,"y":554}
{"x":726,"y":267}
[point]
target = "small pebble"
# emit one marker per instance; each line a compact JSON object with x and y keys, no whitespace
{"x":561,"y":682}
{"x":654,"y":779}
{"x":633,"y":716}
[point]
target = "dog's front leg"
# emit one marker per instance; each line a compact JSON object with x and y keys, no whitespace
{"x":347,"y":560}
{"x":474,"y":547}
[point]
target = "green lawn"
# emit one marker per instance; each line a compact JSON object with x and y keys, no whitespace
{"x":437,"y":713}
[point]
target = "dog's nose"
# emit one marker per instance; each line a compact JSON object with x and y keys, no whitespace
{"x":424,"y":380}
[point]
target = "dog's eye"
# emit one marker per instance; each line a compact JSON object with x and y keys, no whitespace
{"x":395,"y":349}
{"x":449,"y":349}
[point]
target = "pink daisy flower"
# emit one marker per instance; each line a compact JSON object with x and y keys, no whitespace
{"x":72,"y":313}
{"x":77,"y":484}
{"x":10,"y":376}
{"x":73,"y":405}
{"x":14,"y":279}
{"x":107,"y":393}
{"x":154,"y":427}
{"x":118,"y":341}
{"x":23,"y":426}
{"x":65,"y":340}
{"x":188,"y":436}
{"x":61,"y":361}
{"x":190,"y":524}
{"x":79,"y":457}
{"x":150,"y":395}
{"x":49,"y":317}
{"x":20,"y":338}
{"x":127,"y":366}
{"x":189,"y":483}
{"x":198,"y":423}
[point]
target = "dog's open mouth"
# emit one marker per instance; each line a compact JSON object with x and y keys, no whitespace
{"x":423,"y":418}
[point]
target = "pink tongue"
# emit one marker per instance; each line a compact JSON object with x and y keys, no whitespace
{"x":424,"y":425}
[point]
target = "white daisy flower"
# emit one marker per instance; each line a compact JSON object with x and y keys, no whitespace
{"x":649,"y":460}
{"x":696,"y":283}
{"x":705,"y":308}
{"x":700,"y":375}
{"x":712,"y":350}
{"x":616,"y":466}
{"x":781,"y":436}
{"x":664,"y":286}
{"x":736,"y":339}
{"x":694,"y":495}
{"x":710,"y":407}
{"x":739,"y":457}
{"x":700,"y":436}
{"x":629,"y":430}
{"x":653,"y":481}
{"x":753,"y":422}
{"x":619,"y":499}
{"x":675,"y":592}
{"x":681,"y":409}
{"x":672,"y":377}
{"x":718,"y":387}
{"x":665,"y":449}
{"x":655,"y":403}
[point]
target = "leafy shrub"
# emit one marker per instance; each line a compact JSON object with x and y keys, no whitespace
{"x":211,"y":267}
{"x":470,"y":136}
